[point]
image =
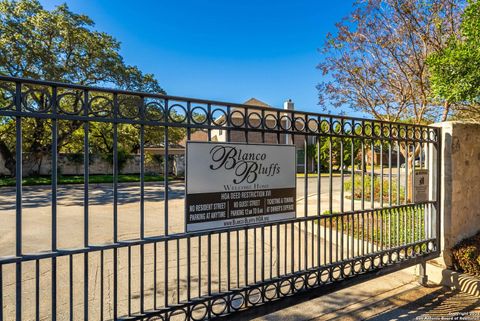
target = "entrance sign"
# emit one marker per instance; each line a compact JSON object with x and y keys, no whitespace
{"x":421,"y":185}
{"x":231,"y":184}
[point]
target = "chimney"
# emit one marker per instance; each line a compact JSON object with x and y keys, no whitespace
{"x":288,"y":105}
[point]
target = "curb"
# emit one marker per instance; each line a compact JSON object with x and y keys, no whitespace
{"x":452,"y":279}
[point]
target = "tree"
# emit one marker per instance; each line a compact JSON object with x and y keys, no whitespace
{"x":336,"y":143}
{"x":376,"y":61}
{"x":63,"y":46}
{"x":455,"y":70}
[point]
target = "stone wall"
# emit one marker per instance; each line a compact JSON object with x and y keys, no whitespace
{"x":460,"y":186}
{"x":69,"y":164}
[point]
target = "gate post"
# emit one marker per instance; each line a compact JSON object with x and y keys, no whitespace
{"x":422,"y":273}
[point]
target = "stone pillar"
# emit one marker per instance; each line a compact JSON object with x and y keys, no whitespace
{"x":460,"y":184}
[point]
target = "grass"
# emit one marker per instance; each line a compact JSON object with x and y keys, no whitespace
{"x":78,"y":179}
{"x":392,"y":226}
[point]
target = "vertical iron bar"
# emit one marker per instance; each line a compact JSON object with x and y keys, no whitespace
{"x":372,"y":175}
{"x":189,"y":261}
{"x":209,"y":264}
{"x":330,"y":190}
{"x":305,"y":191}
{"x":166,"y":195}
{"x":115,"y":205}
{"x":246,"y":258}
{"x":18,"y":203}
{"x":228,"y":262}
{"x":319,"y":195}
{"x":54,"y":201}
{"x":390,"y":188}
{"x":277,"y":246}
{"x":262,"y":231}
{"x":342,"y":207}
{"x":399,"y":188}
{"x":412,"y":200}
{"x":219,"y":262}
{"x":37,"y":291}
{"x":262,"y":240}
{"x":362,"y":221}
{"x":381,"y":194}
{"x":129,"y":281}
{"x":199,"y":265}
{"x":1,"y":292}
{"x":229,"y":276}
{"x":255,"y":255}
{"x":292,"y":225}
{"x":279,"y":128}
{"x":406,"y":172}
{"x":70,"y":288}
{"x":238,"y":258}
{"x":352,"y":204}
{"x":155,"y":275}
{"x":101,"y":285}
{"x":178,"y":271}
{"x":142,"y":206}
{"x":188,"y":269}
{"x":86,"y":173}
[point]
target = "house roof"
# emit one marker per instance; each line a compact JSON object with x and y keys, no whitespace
{"x":255,"y":102}
{"x":198,"y":135}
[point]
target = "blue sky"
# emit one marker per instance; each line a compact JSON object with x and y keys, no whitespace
{"x":223,"y":50}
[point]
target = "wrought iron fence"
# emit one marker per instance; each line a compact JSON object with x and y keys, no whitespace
{"x":120,"y":251}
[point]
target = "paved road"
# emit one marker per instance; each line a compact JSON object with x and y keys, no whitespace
{"x":102,"y":194}
{"x":36,"y":219}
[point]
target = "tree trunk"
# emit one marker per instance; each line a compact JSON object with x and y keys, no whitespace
{"x":446,"y":110}
{"x":8,"y":157}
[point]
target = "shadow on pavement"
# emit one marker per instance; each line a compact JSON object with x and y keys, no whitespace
{"x":418,"y":303}
{"x":441,"y":303}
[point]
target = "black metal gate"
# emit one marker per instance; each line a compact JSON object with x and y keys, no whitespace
{"x":118,"y":250}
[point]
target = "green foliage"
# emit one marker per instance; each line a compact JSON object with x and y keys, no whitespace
{"x":60,"y":45}
{"x":324,"y":151}
{"x":389,"y":226}
{"x":455,"y":70}
{"x":377,"y":190}
{"x":75,"y":158}
{"x":123,"y":157}
{"x":466,"y":255}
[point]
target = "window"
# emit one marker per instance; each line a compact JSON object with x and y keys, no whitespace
{"x":300,"y":156}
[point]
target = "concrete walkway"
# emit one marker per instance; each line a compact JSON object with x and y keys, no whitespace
{"x":396,"y":296}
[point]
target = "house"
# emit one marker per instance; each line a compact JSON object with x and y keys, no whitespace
{"x":255,"y":137}
{"x":240,"y":136}
{"x":377,"y":156}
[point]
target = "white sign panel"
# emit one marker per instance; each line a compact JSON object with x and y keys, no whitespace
{"x":421,"y":185}
{"x":230,"y":184}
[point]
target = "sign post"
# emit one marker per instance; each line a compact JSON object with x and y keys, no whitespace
{"x":230,"y":184}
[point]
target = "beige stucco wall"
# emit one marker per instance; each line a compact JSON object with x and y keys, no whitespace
{"x":98,"y":165}
{"x":460,"y":191}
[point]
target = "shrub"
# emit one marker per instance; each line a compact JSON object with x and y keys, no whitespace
{"x":466,"y":255}
{"x":395,"y":226}
{"x":376,"y":188}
